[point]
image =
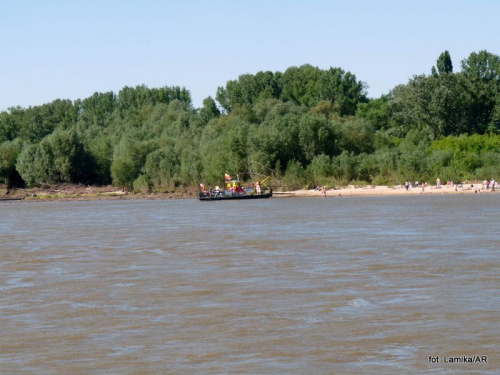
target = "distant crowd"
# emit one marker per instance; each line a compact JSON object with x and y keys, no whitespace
{"x":468,"y":185}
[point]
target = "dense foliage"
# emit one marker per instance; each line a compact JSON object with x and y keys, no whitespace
{"x":305,"y":126}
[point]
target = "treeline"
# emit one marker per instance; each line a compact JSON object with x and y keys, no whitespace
{"x":305,"y":126}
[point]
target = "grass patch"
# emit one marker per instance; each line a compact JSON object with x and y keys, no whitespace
{"x":51,"y":196}
{"x":71,"y":196}
{"x":110,"y":194}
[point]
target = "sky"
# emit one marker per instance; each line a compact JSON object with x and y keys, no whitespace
{"x":68,"y":49}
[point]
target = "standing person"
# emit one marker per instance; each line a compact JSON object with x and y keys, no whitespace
{"x":424,"y":184}
{"x":438,"y":182}
{"x":323,"y":191}
{"x":257,"y":188}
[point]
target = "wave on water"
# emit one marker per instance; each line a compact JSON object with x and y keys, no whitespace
{"x":17,"y":283}
{"x":355,"y":306}
{"x":159,"y":252}
{"x":359,"y":302}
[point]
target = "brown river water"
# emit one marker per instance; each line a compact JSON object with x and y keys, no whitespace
{"x":365,"y":285}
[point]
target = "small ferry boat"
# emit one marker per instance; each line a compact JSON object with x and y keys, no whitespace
{"x":12,"y":199}
{"x":234,"y":190}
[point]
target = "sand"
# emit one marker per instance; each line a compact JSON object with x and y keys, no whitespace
{"x":386,"y":191}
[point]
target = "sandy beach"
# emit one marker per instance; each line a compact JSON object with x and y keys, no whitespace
{"x":351,"y":191}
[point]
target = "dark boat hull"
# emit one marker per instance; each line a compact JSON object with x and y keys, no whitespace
{"x":233,"y":197}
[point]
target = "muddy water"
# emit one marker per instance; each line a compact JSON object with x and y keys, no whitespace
{"x":281,"y":286}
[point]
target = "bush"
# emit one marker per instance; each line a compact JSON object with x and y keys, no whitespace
{"x":320,"y":170}
{"x":294,"y":177}
{"x":141,"y":185}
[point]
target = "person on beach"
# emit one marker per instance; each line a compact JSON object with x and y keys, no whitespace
{"x":438,"y":182}
{"x":424,"y":184}
{"x":323,"y":191}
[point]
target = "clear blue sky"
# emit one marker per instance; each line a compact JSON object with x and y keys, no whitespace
{"x":67,"y":49}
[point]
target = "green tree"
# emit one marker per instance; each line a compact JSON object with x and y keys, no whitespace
{"x":439,"y":105}
{"x":129,"y":158}
{"x":482,"y":73}
{"x":9,"y":152}
{"x":162,"y":168}
{"x":97,"y":109}
{"x":224,"y":148}
{"x":316,"y":136}
{"x":249,"y":89}
{"x":123,"y":172}
{"x":277,"y":141}
{"x":294,"y":177}
{"x":345,"y":167}
{"x":59,"y":157}
{"x":320,"y":170}
{"x":209,"y":110}
{"x":40,"y":121}
{"x":10,"y":124}
{"x":356,"y":136}
{"x":444,"y":64}
{"x":70,"y":162}
{"x":34,"y":164}
{"x":302,"y":85}
{"x":342,"y":89}
{"x":377,"y":112}
{"x":100,"y":150}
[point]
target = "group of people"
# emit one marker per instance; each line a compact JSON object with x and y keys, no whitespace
{"x":210,"y":192}
{"x":491,"y":184}
{"x":477,"y":187}
{"x":233,"y":190}
{"x":486,"y":185}
{"x":323,"y":190}
{"x":409,"y":185}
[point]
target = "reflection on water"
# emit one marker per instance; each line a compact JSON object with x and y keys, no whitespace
{"x":288,"y":286}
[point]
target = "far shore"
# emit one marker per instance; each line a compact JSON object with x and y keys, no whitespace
{"x":73,"y":192}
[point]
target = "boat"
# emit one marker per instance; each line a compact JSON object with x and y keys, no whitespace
{"x":234,"y":190}
{"x":12,"y":199}
{"x":223,"y":197}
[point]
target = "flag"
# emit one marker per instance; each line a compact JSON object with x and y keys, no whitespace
{"x":227,"y":177}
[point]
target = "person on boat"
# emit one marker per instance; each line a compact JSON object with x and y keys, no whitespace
{"x":202,"y":191}
{"x":257,"y":188}
{"x":239,"y":190}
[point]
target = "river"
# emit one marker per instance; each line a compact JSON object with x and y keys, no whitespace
{"x":382,"y":285}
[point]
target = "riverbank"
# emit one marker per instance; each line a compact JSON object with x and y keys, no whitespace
{"x":70,"y":192}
